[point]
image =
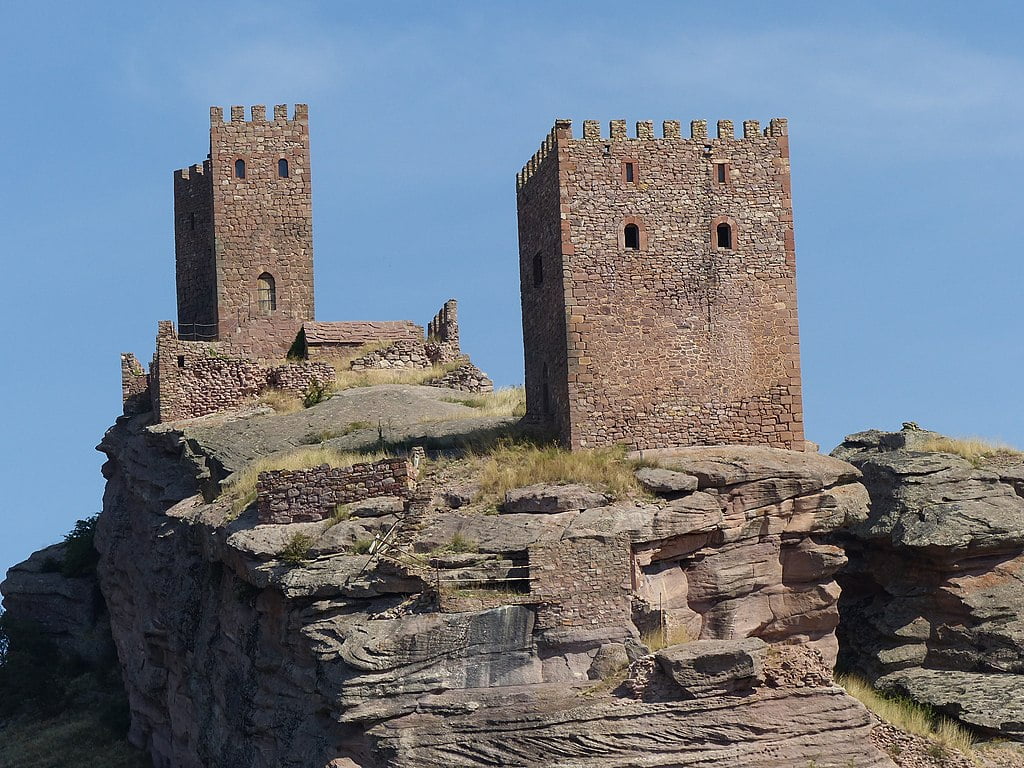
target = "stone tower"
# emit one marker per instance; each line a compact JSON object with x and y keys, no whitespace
{"x":658,"y":281}
{"x":243,"y":232}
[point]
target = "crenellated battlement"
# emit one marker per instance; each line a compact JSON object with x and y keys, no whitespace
{"x":258,"y":114}
{"x":193,"y":172}
{"x":644,"y":131}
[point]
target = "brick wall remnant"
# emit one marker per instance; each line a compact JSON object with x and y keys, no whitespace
{"x":443,"y":334}
{"x":466,"y":378}
{"x":398,"y":354}
{"x":322,"y":340}
{"x":665,"y":336}
{"x":135,"y":395}
{"x":298,"y":377}
{"x":582,"y":582}
{"x":307,"y":495}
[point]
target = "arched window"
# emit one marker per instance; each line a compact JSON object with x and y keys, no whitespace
{"x":239,"y":168}
{"x":723,"y":235}
{"x":632,"y":237}
{"x":538,"y":269}
{"x":266,"y":293}
{"x":282,"y":168}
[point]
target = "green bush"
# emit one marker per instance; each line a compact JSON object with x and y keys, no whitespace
{"x":297,"y":549}
{"x":315,"y":393}
{"x":80,"y":555}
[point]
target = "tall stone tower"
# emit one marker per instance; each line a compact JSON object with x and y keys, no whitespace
{"x":243,"y":232}
{"x":658,"y":280}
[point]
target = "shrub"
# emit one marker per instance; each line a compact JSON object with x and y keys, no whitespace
{"x":315,"y":393}
{"x":297,"y":549}
{"x":361,"y":546}
{"x":80,"y":555}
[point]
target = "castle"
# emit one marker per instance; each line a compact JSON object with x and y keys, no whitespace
{"x":658,"y":284}
{"x":243,"y":237}
{"x":658,"y":281}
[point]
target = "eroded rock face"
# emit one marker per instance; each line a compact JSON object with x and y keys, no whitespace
{"x":933,"y":592}
{"x":525,"y":650}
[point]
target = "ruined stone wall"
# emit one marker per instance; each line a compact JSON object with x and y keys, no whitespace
{"x":195,"y":265}
{"x":400,"y":354}
{"x":677,"y":341}
{"x":466,"y":378}
{"x":582,"y":582}
{"x":135,"y":395}
{"x":305,"y":495}
{"x":266,"y":339}
{"x":443,"y":334}
{"x":298,"y":377}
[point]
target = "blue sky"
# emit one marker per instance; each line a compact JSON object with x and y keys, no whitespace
{"x":905,"y":124}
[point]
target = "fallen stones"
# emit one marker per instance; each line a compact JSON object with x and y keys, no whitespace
{"x":544,"y":498}
{"x":713,"y":667}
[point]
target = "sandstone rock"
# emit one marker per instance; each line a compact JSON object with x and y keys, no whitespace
{"x":377,"y":506}
{"x":611,"y":659}
{"x":708,"y":667}
{"x":935,"y":580}
{"x":544,"y":498}
{"x":665,"y":481}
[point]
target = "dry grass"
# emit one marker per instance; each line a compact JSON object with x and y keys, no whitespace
{"x":512,"y":465}
{"x":508,"y":403}
{"x":242,"y":489}
{"x":976,"y":450}
{"x":78,"y":739}
{"x":910,"y":716}
{"x":282,"y":401}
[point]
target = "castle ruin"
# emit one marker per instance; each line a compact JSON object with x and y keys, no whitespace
{"x":658,"y":281}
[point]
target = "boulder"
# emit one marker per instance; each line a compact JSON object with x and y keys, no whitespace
{"x":544,"y":498}
{"x":711,"y":667}
{"x":665,"y":482}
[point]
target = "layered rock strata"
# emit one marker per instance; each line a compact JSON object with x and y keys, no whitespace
{"x":933,"y":592}
{"x":465,"y":639}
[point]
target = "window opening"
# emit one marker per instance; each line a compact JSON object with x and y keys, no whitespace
{"x":181,"y":361}
{"x":282,"y":168}
{"x":724,"y":235}
{"x":632,"y":237}
{"x":538,"y":269}
{"x":720,"y":171}
{"x":629,"y":172}
{"x":266,"y":293}
{"x":192,"y":221}
{"x":239,"y":169}
{"x":545,"y":392}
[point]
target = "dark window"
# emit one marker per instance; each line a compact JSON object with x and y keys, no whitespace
{"x":538,"y":269}
{"x":266,"y":293}
{"x":720,"y":172}
{"x":239,"y":169}
{"x":192,"y":221}
{"x":181,"y":361}
{"x":282,"y":168}
{"x":723,"y":234}
{"x":629,"y":172}
{"x":632,"y":237}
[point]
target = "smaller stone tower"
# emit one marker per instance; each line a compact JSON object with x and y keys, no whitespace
{"x":658,"y":280}
{"x":243,"y":232}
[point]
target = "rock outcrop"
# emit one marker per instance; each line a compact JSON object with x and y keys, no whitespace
{"x":465,"y":638}
{"x":933,"y":593}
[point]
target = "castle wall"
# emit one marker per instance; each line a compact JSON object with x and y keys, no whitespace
{"x":135,"y":396}
{"x":678,"y":341}
{"x":195,"y":267}
{"x":544,"y":318}
{"x":582,"y":582}
{"x":307,"y":495}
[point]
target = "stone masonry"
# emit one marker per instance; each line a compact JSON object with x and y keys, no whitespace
{"x":307,"y":495}
{"x":582,"y":582}
{"x":243,"y":229}
{"x":658,"y":282}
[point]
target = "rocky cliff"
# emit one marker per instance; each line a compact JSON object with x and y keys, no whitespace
{"x":933,"y":594}
{"x":687,"y":620}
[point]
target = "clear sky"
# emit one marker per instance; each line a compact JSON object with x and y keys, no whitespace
{"x":906,"y":136}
